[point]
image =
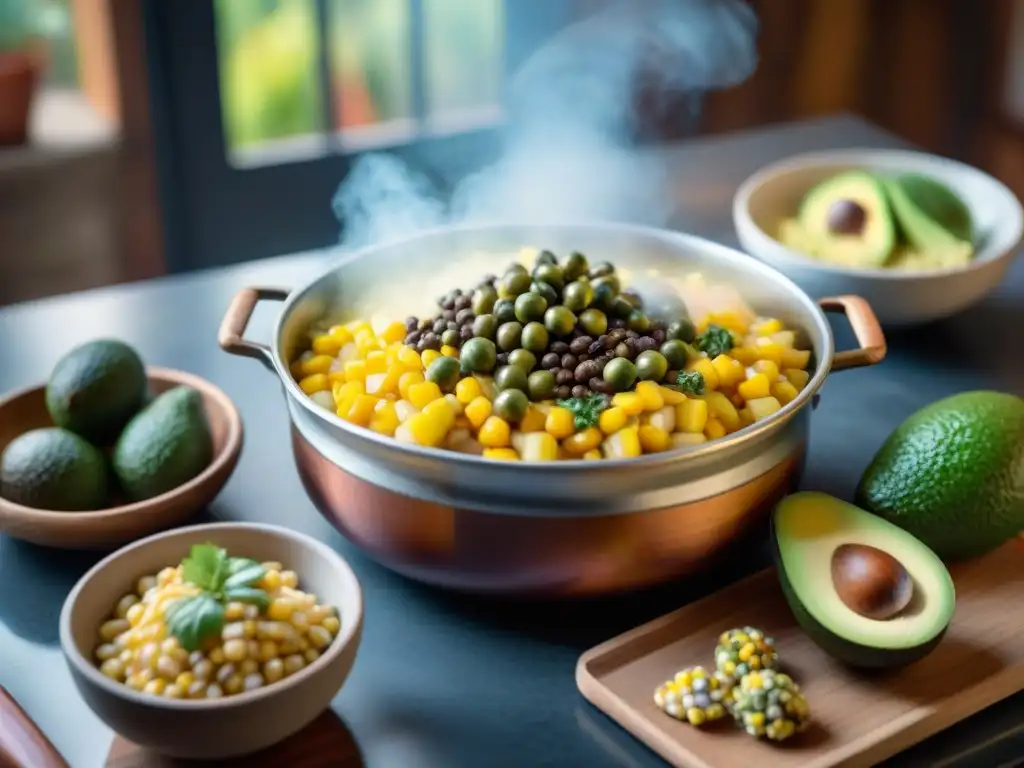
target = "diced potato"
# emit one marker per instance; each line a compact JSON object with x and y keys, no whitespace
{"x":664,"y":418}
{"x":683,"y":439}
{"x":763,"y":406}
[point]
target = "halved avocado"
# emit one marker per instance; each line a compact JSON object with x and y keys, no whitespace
{"x":848,"y":216}
{"x":928,"y":213}
{"x":868,"y":593}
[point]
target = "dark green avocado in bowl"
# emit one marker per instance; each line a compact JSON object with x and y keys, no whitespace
{"x":867,"y":592}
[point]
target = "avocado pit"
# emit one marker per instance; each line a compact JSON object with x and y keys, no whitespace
{"x":871,"y":582}
{"x":846,"y":217}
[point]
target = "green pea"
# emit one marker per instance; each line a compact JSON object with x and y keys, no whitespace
{"x":505,"y":310}
{"x":651,"y":365}
{"x":594,"y":322}
{"x":483,"y":300}
{"x":578,"y":295}
{"x":546,"y":257}
{"x":620,"y":373}
{"x":550,"y":294}
{"x":575,"y":266}
{"x":510,"y":377}
{"x":550,"y":274}
{"x":677,"y":353}
{"x":530,"y":306}
{"x":682,"y":329}
{"x":633,"y":298}
{"x":511,"y":405}
{"x":450,"y":337}
{"x":621,"y":308}
{"x":608,"y":285}
{"x":535,"y":337}
{"x":478,"y":356}
{"x":515,"y":266}
{"x":485,"y":326}
{"x":514,"y":284}
{"x":601,"y":269}
{"x":508,"y":335}
{"x":638,"y":321}
{"x":444,"y":372}
{"x":524,"y":358}
{"x":559,"y":321}
{"x":541,"y":385}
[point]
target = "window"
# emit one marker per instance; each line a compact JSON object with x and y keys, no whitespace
{"x":262,"y":105}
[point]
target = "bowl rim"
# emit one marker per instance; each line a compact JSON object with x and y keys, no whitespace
{"x":784,"y":255}
{"x":349,"y":627}
{"x":230,"y":451}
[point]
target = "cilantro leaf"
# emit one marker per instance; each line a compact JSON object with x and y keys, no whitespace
{"x":691,"y":382}
{"x":715,"y":341}
{"x":243,"y":573}
{"x":250,"y":595}
{"x":193,"y":619}
{"x":205,"y":566}
{"x":586,"y":410}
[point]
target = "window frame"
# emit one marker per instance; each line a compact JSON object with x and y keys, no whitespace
{"x":217,"y":214}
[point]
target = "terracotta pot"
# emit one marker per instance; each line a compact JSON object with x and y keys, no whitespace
{"x":20,"y":71}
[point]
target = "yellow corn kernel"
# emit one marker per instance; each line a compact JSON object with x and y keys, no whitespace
{"x":467,"y":390}
{"x":533,"y":420}
{"x":653,"y":439}
{"x":428,"y":356}
{"x":707,"y":370}
{"x":355,"y":370}
{"x":630,"y":402}
{"x":746,"y":417}
{"x":795,"y":358}
{"x":326,"y":345}
{"x":361,"y":410}
{"x":383,"y":384}
{"x":763,"y":406}
{"x":394,"y":332}
{"x":448,"y":351}
{"x":593,"y":455}
{"x":430,"y":426}
{"x":733,"y":321}
{"x":494,"y":433}
{"x":785,"y":339}
{"x":684,"y":439}
{"x":583,"y":441}
{"x":664,"y":419}
{"x":408,"y":379}
{"x":672,"y":396}
{"x":318,"y":364}
{"x":478,"y":410}
{"x":345,"y":395}
{"x":624,"y":444}
{"x":691,"y":416}
{"x":714,"y":428}
{"x":337,"y":377}
{"x":722,"y":409}
{"x":366,"y":342}
{"x":729,"y":370}
{"x":767,"y":349}
{"x":744,"y":355}
{"x":424,"y":393}
{"x":408,"y":358}
{"x":501,"y":454}
{"x":456,"y":406}
{"x":768,"y":368}
{"x":376,"y":362}
{"x":341,"y":334}
{"x":796,"y":377}
{"x":535,"y":446}
{"x":650,"y":393}
{"x":784,"y":392}
{"x":385,"y":418}
{"x":754,"y":387}
{"x":612,"y":419}
{"x":560,"y":422}
{"x":766,"y":327}
{"x":316,"y":383}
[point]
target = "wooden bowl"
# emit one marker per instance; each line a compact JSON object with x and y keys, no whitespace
{"x":26,"y":409}
{"x":213,"y":729}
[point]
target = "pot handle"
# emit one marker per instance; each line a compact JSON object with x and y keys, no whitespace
{"x":865,"y":327}
{"x":230,"y":337}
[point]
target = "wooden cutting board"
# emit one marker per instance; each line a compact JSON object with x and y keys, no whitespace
{"x":859,"y":720}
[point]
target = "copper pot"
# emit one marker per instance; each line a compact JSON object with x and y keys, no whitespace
{"x":559,"y":528}
{"x":20,"y":72}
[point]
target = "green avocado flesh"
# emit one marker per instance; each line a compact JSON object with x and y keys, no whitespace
{"x":807,"y":530}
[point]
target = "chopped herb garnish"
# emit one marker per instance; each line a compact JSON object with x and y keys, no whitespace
{"x":690,"y":382}
{"x":586,"y":410}
{"x":222,"y":579}
{"x":715,"y":341}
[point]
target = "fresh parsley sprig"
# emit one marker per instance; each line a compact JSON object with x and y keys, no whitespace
{"x":715,"y":341}
{"x":586,"y":410}
{"x":691,"y":382}
{"x":222,"y":579}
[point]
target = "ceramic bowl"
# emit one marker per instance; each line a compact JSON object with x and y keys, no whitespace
{"x":898,"y":298}
{"x":205,"y":729}
{"x":26,"y":409}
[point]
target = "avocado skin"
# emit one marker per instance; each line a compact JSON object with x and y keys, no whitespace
{"x":952,"y":474}
{"x":164,"y":446}
{"x":842,"y":650}
{"x":96,"y":388}
{"x":54,"y":469}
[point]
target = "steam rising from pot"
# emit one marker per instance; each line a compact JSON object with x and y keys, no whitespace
{"x":569,"y":149}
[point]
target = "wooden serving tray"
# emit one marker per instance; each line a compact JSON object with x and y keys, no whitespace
{"x":859,"y":719}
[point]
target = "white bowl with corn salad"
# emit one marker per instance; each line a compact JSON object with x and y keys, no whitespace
{"x":215,"y":640}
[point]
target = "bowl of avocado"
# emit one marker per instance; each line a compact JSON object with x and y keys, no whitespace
{"x":108,"y":450}
{"x":920,"y":237}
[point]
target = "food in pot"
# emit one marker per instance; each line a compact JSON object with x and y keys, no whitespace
{"x":867,"y":592}
{"x":860,"y":219}
{"x":558,"y":362}
{"x":768,"y":704}
{"x":951,"y":474}
{"x":695,"y":696}
{"x":214,"y":626}
{"x":743,"y":650}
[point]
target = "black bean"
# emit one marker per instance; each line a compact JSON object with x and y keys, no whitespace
{"x":569,"y":361}
{"x":464,"y":315}
{"x":645,"y":343}
{"x":631,"y":334}
{"x":559,"y":347}
{"x":632,"y":342}
{"x":563,"y":377}
{"x":451,"y":325}
{"x":617,"y":323}
{"x":622,"y":350}
{"x":412,"y":337}
{"x":600,"y":385}
{"x":658,"y":325}
{"x":466,"y":332}
{"x":600,"y":362}
{"x":502,"y":358}
{"x":659,"y":336}
{"x":411,"y":323}
{"x":430,"y":340}
{"x":619,"y":334}
{"x":585,"y":371}
{"x":596,"y":347}
{"x":426,"y":323}
{"x":550,"y":361}
{"x":447,"y":303}
{"x":456,"y":292}
{"x":582,"y":358}
{"x":564,"y":392}
{"x":489,"y":280}
{"x":580,"y":344}
{"x":462,"y":302}
{"x":440,"y":325}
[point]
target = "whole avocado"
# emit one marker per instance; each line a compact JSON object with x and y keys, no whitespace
{"x":953,"y":474}
{"x":164,"y":446}
{"x":53,"y":469}
{"x":96,"y":388}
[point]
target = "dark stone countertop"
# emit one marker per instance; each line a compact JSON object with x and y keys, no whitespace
{"x":442,"y":680}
